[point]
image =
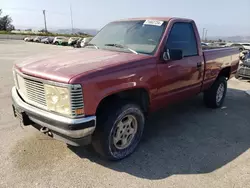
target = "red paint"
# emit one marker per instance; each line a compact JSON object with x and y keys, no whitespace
{"x":103,"y":73}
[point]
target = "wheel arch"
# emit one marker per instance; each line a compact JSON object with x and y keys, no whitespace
{"x":226,"y":72}
{"x":139,"y":96}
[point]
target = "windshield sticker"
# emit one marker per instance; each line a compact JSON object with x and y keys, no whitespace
{"x":153,"y":22}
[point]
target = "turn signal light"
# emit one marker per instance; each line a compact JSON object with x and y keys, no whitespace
{"x":79,"y":111}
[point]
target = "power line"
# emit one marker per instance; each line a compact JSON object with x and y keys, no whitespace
{"x":45,"y":14}
{"x":22,"y":9}
{"x":60,"y":13}
{"x":35,"y":10}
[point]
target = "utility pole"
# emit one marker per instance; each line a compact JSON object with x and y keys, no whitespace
{"x":203,"y":33}
{"x":206,"y":35}
{"x":72,"y":27}
{"x":45,"y":24}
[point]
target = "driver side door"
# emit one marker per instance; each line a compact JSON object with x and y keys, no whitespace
{"x":179,"y":79}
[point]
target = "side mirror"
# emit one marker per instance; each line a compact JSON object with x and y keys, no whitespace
{"x":172,"y":54}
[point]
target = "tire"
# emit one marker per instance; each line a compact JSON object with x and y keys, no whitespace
{"x":210,"y":96}
{"x":105,"y":139}
{"x":237,"y":76}
{"x":56,"y":43}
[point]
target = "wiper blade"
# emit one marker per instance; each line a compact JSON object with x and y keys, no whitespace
{"x":122,"y":46}
{"x":90,"y":44}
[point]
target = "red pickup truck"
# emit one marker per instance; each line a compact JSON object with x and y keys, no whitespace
{"x":102,"y":93}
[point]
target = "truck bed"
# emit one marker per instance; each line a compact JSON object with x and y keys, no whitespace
{"x":217,"y":59}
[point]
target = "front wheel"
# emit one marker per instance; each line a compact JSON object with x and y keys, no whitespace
{"x":237,"y":76}
{"x":118,"y":136}
{"x":214,"y":97}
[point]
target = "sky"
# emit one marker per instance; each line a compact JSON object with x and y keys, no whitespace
{"x":219,"y":17}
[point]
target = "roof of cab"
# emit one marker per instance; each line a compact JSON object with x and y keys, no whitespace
{"x":154,"y":18}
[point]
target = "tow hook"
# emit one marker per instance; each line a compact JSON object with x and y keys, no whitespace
{"x":45,"y":130}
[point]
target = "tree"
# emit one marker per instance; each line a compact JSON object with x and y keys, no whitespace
{"x":5,"y":23}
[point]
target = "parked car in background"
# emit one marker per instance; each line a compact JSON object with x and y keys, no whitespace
{"x":85,"y":41}
{"x":246,"y":46}
{"x":239,"y":46}
{"x":29,"y":39}
{"x":72,"y":41}
{"x":244,"y":68}
{"x":47,"y":40}
{"x":36,"y":39}
{"x":228,"y":44}
{"x":203,"y":44}
{"x":78,"y":43}
{"x":39,"y":38}
{"x":131,"y":68}
{"x":222,"y":44}
{"x":63,"y":42}
{"x":60,"y":40}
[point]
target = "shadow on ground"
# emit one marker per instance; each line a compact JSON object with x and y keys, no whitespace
{"x":187,"y":139}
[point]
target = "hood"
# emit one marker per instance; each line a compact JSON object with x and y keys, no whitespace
{"x":64,"y":66}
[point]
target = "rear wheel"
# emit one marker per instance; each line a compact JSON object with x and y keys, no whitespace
{"x":214,"y":97}
{"x":119,"y":132}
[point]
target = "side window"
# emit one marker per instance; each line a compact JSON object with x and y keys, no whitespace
{"x":182,"y":37}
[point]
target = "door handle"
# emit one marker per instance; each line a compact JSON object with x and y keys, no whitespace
{"x":199,"y":65}
{"x":172,"y":66}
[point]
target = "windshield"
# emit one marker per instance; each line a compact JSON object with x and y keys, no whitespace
{"x":140,"y":35}
{"x":246,"y":44}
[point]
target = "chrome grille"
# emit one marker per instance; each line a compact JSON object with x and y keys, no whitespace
{"x":76,"y":99}
{"x":244,"y":70}
{"x":33,"y":92}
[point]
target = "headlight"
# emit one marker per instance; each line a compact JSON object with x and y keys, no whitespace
{"x":57,"y":99}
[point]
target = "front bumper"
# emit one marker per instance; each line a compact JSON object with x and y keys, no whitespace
{"x":74,"y":131}
{"x":244,"y":71}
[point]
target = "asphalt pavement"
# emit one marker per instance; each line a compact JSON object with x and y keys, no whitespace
{"x":184,"y":146}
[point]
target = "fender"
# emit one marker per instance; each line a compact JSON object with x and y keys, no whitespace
{"x":95,"y":91}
